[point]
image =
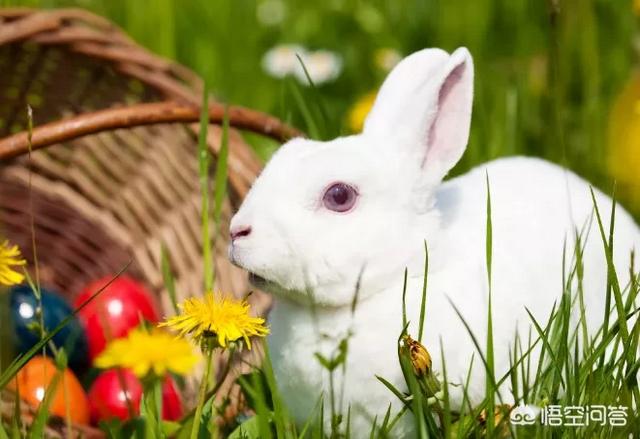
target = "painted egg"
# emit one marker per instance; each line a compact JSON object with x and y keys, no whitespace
{"x":69,"y":398}
{"x":72,"y":337}
{"x":117,"y":394}
{"x":171,"y":403}
{"x":115,"y":311}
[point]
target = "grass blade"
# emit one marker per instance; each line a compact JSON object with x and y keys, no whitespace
{"x":612,"y":276}
{"x":220,"y":187}
{"x":323,"y":111}
{"x":474,"y":339}
{"x":423,"y":302}
{"x":307,"y":424}
{"x":280,"y":414}
{"x":445,"y":389}
{"x":489,"y":234}
{"x":40,"y":420}
{"x":392,"y":388}
{"x":387,"y":418}
{"x":491,"y":379}
{"x":312,"y":127}
{"x":167,"y":276}
{"x":204,"y":159}
{"x":348,"y":432}
{"x":404,"y":301}
{"x":543,"y":336}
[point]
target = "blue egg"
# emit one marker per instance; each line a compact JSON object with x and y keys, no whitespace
{"x":24,"y":315}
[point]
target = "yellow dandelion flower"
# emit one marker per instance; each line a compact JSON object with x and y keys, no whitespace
{"x":359,"y":111}
{"x":10,"y":257}
{"x":144,"y":352}
{"x":218,"y":316}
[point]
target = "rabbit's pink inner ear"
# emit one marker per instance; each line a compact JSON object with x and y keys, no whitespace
{"x":449,"y":132}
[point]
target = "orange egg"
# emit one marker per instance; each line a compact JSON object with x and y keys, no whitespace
{"x":33,"y":380}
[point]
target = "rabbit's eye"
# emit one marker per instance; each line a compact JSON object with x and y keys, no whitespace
{"x":339,"y":197}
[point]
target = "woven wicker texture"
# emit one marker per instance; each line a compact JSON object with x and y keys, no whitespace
{"x":114,"y":173}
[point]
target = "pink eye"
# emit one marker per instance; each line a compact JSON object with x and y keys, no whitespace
{"x":339,"y":197}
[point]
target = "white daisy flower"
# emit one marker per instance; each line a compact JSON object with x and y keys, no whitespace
{"x":322,"y":66}
{"x":281,"y":60}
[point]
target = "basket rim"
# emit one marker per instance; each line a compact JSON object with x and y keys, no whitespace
{"x":72,"y":128}
{"x":87,"y":33}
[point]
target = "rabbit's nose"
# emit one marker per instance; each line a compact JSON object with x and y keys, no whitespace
{"x":239,"y":232}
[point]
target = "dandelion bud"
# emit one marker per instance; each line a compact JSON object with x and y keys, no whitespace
{"x":420,"y":358}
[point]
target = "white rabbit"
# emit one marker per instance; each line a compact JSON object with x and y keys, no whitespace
{"x":324,"y":214}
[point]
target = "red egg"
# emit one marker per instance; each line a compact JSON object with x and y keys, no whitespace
{"x":171,"y":403}
{"x":117,"y":394}
{"x":116,"y":310}
{"x":69,"y":398}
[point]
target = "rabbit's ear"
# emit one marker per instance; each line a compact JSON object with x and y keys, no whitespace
{"x":425,"y":105}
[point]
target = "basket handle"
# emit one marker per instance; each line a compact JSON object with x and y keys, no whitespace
{"x":138,"y":115}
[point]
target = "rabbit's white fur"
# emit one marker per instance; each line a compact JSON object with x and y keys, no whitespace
{"x":416,"y":132}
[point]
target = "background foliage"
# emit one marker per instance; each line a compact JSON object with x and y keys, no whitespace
{"x":548,"y":72}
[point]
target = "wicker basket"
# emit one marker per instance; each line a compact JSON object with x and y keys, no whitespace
{"x":114,"y":174}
